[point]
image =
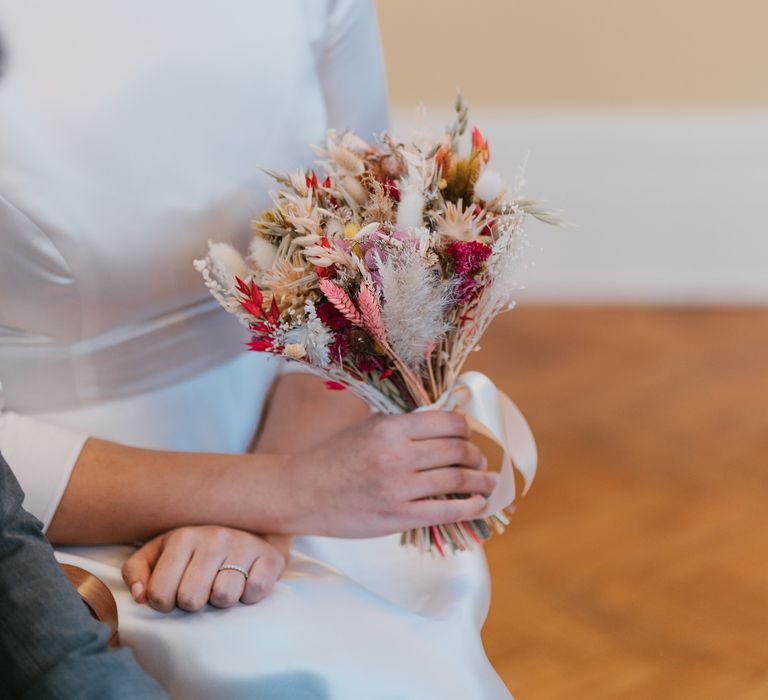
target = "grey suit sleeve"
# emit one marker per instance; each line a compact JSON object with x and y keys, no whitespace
{"x":50,"y":646}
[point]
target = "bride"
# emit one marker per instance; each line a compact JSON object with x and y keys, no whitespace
{"x":130,"y":134}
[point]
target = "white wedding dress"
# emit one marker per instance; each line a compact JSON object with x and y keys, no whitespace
{"x":130,"y":134}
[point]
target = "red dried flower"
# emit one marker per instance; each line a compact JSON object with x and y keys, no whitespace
{"x":391,"y":188}
{"x":325,"y":273}
{"x":339,"y":346}
{"x":335,"y":386}
{"x":468,"y":256}
{"x":259,"y":345}
{"x":367,"y":363}
{"x":331,"y":316}
{"x":479,"y":143}
{"x":327,"y":184}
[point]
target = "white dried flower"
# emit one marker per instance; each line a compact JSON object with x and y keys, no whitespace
{"x":226,"y":264}
{"x":262,"y":253}
{"x":421,"y":233}
{"x":410,"y":211}
{"x":488,"y":186}
{"x":225,"y":297}
{"x":318,"y":337}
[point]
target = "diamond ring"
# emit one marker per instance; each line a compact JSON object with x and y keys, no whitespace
{"x":234,"y":567}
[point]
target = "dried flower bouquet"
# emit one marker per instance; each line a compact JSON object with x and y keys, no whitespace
{"x":381,"y":275}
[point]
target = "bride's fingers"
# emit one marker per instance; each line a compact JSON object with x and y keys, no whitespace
{"x":229,"y":584}
{"x":432,"y":424}
{"x":433,"y":454}
{"x":441,"y":482}
{"x":262,"y":577}
{"x":436,"y":512}
{"x":170,"y":567}
{"x":138,"y":568}
{"x":198,"y":579}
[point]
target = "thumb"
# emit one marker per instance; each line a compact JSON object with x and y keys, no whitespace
{"x":138,"y":568}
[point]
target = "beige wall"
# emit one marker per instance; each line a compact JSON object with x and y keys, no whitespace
{"x":577,"y":51}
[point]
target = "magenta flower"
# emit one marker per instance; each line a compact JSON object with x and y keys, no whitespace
{"x":468,"y":256}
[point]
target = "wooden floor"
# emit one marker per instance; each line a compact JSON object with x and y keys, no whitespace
{"x":637,"y":566}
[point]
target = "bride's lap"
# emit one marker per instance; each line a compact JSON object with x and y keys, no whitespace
{"x":347,"y":617}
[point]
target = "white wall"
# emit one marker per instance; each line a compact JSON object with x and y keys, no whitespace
{"x":670,"y":206}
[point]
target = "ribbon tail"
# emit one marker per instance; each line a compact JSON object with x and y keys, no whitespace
{"x":492,"y":413}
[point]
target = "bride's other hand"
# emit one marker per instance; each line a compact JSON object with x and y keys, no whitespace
{"x":350,"y":475}
{"x":181,"y":568}
{"x":382,"y":476}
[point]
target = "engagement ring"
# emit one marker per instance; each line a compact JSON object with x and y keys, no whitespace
{"x":234,"y":567}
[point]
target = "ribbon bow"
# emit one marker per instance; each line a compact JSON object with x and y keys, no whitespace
{"x":492,"y":413}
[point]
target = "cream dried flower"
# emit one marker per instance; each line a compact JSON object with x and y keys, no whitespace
{"x":459,"y":223}
{"x":226,"y":264}
{"x":347,"y":161}
{"x":325,"y":257}
{"x":298,"y":180}
{"x":289,"y":283}
{"x":354,"y":188}
{"x":261,"y":252}
{"x":302,"y":214}
{"x":294,"y":351}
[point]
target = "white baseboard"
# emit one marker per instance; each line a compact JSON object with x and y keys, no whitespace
{"x":668,"y":206}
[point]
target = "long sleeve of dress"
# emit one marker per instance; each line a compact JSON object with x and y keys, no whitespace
{"x":351,"y":69}
{"x":46,"y":455}
{"x":50,"y":646}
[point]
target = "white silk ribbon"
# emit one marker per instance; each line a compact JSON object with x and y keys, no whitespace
{"x":492,"y":413}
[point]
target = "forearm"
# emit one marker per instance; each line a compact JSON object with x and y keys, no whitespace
{"x":119,"y":494}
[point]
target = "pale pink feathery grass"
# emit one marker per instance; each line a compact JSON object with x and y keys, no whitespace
{"x":340,"y":299}
{"x":371,"y":312}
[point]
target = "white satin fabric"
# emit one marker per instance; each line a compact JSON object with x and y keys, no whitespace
{"x":130,"y":134}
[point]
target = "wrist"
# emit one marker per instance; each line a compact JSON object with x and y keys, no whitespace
{"x":282,"y":509}
{"x":295,"y":503}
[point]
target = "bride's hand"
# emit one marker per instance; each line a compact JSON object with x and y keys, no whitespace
{"x":379,"y":476}
{"x":181,"y":568}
